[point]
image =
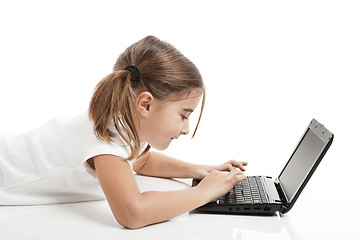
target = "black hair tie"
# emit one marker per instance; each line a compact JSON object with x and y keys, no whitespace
{"x":135,"y":73}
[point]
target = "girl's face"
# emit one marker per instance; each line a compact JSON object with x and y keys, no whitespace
{"x":163,"y":121}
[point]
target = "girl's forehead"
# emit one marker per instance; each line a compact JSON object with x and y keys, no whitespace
{"x":193,"y":94}
{"x":187,"y":102}
{"x":191,"y":100}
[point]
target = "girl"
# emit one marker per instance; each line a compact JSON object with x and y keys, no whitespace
{"x":145,"y":102}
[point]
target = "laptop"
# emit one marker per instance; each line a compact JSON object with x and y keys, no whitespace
{"x":262,"y":195}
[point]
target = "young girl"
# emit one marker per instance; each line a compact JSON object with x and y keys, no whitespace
{"x":145,"y":102}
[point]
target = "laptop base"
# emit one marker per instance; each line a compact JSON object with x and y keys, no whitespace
{"x":240,"y":209}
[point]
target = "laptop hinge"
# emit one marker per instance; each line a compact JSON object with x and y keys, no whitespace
{"x":282,"y":209}
{"x":282,"y":195}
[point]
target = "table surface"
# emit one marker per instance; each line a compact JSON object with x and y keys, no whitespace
{"x":94,"y":220}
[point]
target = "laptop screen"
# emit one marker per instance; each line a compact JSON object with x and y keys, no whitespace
{"x":303,"y":159}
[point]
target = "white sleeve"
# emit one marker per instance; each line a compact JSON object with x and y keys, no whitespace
{"x":96,"y":148}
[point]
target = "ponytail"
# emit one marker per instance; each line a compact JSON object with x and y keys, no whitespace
{"x":113,"y":101}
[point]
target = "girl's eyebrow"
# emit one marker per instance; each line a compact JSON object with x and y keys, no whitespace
{"x":188,"y":110}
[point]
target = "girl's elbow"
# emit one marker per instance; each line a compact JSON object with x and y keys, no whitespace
{"x":137,"y":168}
{"x":130,"y":223}
{"x":133,"y":219}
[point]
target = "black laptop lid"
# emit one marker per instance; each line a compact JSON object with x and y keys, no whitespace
{"x":303,"y":162}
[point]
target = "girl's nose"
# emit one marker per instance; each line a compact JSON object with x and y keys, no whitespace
{"x":186,"y":128}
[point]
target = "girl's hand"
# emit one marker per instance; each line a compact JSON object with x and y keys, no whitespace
{"x":204,"y":170}
{"x":218,"y":183}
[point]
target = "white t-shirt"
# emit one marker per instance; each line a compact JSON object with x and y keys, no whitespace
{"x":49,"y":164}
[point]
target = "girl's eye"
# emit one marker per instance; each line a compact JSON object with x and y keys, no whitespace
{"x":183,"y":117}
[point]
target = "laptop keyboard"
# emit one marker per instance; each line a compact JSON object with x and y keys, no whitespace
{"x":249,"y":191}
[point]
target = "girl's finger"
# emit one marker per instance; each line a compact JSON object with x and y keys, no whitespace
{"x":234,"y":172}
{"x":237,"y":175}
{"x":238,"y":164}
{"x":229,"y":167}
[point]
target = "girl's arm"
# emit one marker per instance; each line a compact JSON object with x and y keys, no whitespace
{"x":159,"y":165}
{"x":133,"y":209}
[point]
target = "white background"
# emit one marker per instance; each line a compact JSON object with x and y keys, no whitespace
{"x":269,"y":68}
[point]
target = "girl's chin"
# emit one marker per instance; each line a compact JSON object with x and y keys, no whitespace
{"x":161,"y":147}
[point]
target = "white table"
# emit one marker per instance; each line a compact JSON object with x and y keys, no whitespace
{"x":94,"y":220}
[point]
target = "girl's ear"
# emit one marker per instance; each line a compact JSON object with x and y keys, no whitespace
{"x":144,"y":102}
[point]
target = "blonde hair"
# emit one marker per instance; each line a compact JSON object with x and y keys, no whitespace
{"x":164,"y":72}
